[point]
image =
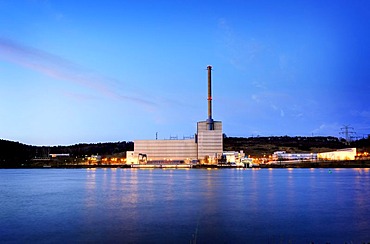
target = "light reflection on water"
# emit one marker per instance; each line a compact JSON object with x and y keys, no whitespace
{"x":209,"y":206}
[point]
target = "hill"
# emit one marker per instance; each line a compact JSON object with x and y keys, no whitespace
{"x":15,"y":154}
{"x":259,"y":146}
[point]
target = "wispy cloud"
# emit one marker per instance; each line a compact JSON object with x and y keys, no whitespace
{"x":365,"y":114}
{"x":62,"y":69}
{"x":260,"y":85}
{"x":240,"y":52}
{"x":327,"y":129}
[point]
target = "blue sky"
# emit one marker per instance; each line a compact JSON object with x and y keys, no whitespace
{"x":97,"y":71}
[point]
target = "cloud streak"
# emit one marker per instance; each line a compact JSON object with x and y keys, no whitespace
{"x":241,"y":53}
{"x":62,"y":69}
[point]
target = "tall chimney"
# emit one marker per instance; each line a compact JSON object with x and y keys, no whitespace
{"x":210,"y":124}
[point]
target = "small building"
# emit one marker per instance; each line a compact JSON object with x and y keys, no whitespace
{"x":130,"y":158}
{"x":284,"y":156}
{"x":57,"y":155}
{"x":94,"y":159}
{"x":233,"y":157}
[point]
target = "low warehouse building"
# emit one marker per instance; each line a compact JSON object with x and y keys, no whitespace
{"x":167,"y":150}
{"x":340,"y":154}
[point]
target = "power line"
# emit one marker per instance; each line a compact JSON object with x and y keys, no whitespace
{"x":348,"y":132}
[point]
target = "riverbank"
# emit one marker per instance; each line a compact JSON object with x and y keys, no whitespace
{"x":319,"y":164}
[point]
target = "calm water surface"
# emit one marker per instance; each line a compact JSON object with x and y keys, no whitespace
{"x":185,"y":206}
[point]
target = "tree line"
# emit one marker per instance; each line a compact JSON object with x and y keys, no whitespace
{"x":15,"y":154}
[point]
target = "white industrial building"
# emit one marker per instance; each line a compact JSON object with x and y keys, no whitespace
{"x":283,"y":155}
{"x":166,"y":150}
{"x":206,"y":146}
{"x":340,"y":154}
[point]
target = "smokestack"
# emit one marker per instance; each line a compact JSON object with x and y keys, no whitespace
{"x":209,"y":120}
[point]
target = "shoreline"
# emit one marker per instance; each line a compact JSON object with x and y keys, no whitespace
{"x":281,"y":165}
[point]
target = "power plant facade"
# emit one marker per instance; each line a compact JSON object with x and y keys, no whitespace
{"x":165,"y":150}
{"x":209,"y":141}
{"x":206,"y":146}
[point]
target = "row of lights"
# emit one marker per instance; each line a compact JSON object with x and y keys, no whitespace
{"x":113,"y":159}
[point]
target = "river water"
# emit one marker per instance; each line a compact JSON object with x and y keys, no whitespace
{"x":185,"y":206}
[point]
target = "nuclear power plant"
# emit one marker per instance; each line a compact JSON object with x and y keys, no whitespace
{"x":205,"y":147}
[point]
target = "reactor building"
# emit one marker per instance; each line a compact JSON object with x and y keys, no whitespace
{"x":205,"y":147}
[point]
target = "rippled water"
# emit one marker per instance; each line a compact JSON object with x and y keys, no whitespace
{"x":184,"y":206}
